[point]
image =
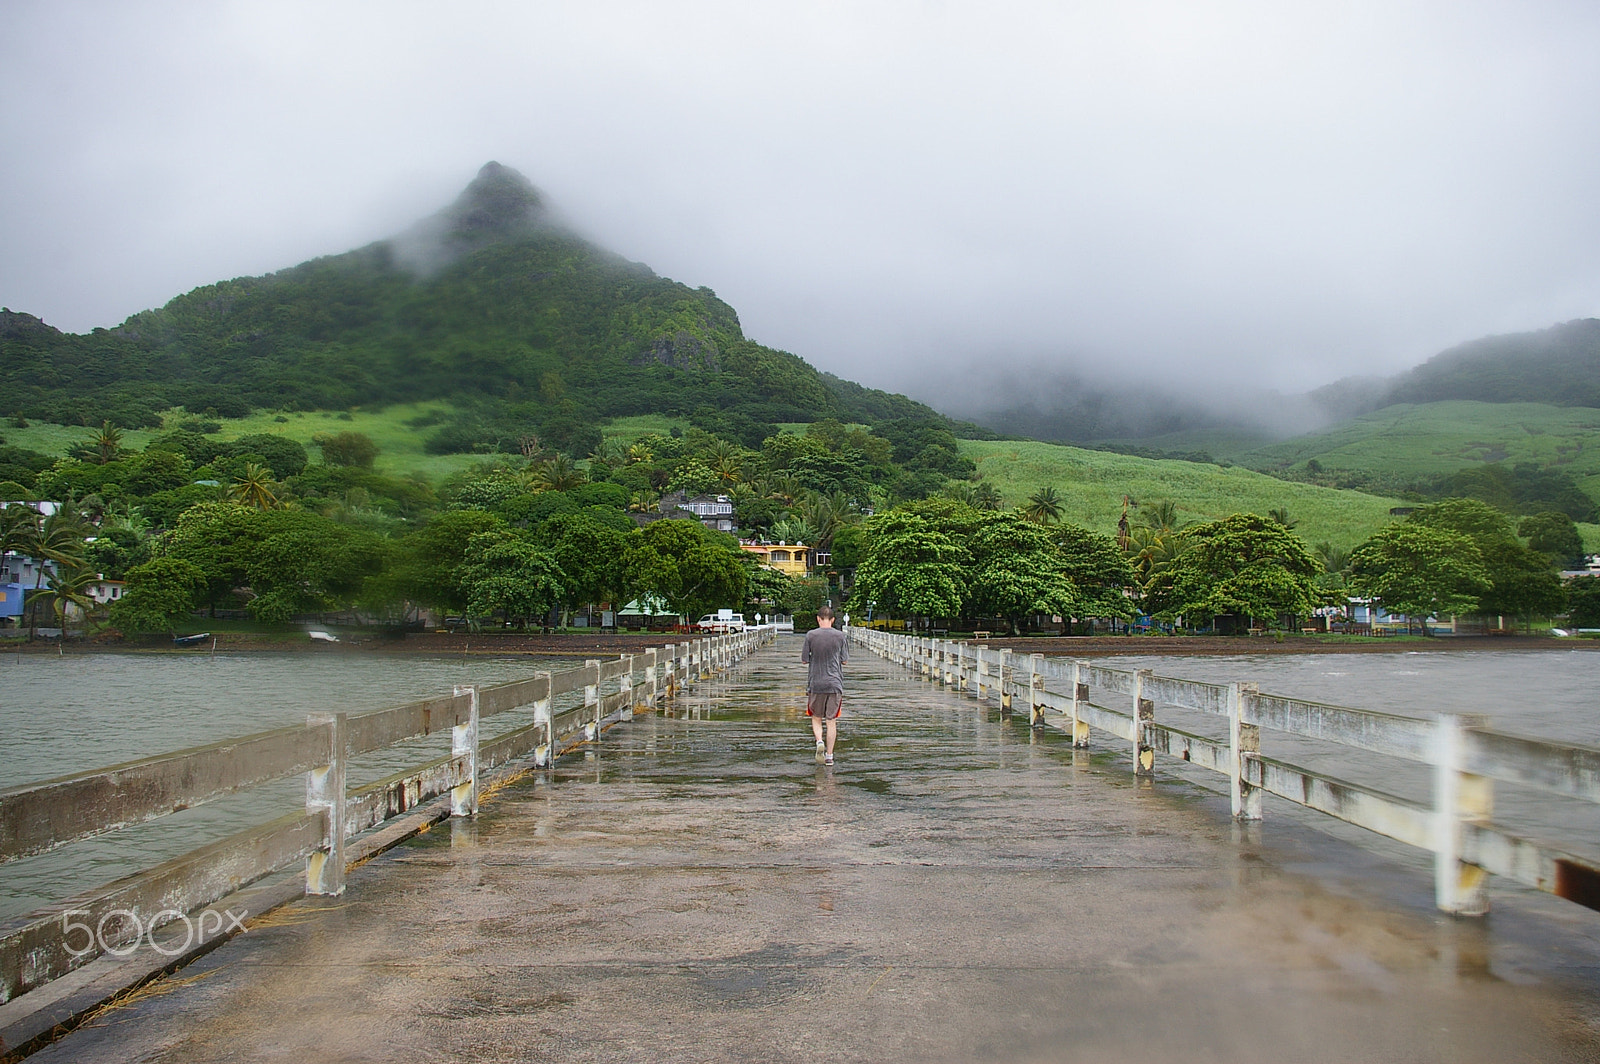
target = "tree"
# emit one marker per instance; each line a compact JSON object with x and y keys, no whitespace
{"x":908,"y":567}
{"x":1583,"y":602}
{"x":1044,"y":507}
{"x":69,"y":588}
{"x":58,"y":539}
{"x":1522,"y":584}
{"x":159,"y":595}
{"x":346,"y":449}
{"x":1419,"y":571}
{"x":290,"y":561}
{"x":1017,"y":570}
{"x":987,"y":497}
{"x":502,"y":573}
{"x":426,"y":568}
{"x":1556,"y":535}
{"x":1245,"y":566}
{"x":253,"y":487}
{"x":592,"y":557}
{"x":101,"y":448}
{"x":558,"y":473}
{"x":1100,"y":574}
{"x":690,"y":568}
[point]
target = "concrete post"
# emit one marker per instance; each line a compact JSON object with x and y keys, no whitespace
{"x":1144,"y":713}
{"x":1244,"y":742}
{"x":1459,"y":798}
{"x":982,"y":670}
{"x":651,"y":690}
{"x":1035,"y":685}
{"x":625,"y":684}
{"x":1005,"y":672}
{"x":591,"y":697}
{"x":464,"y":743}
{"x":325,"y":794}
{"x":543,"y":715}
{"x":1080,"y":695}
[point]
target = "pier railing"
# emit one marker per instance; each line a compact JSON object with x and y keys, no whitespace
{"x":1465,"y":755}
{"x":568,"y":710}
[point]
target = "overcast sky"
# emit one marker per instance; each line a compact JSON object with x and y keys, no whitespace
{"x":905,"y":194}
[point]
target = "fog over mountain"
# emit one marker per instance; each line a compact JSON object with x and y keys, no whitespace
{"x":978,"y":205}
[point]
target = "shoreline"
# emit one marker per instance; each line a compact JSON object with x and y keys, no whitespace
{"x":610,"y":644}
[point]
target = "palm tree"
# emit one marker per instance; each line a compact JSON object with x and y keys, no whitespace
{"x":19,"y":524}
{"x":825,"y":515}
{"x":1280,"y":514}
{"x":1161,"y":517}
{"x":644,"y":501}
{"x":253,"y":487}
{"x":987,"y":497}
{"x":559,"y":473}
{"x":70,"y":587}
{"x":1044,"y":507}
{"x":640,"y":452}
{"x":787,"y":490}
{"x":102,"y":447}
{"x":789,"y":530}
{"x":610,"y":451}
{"x":58,"y":540}
{"x":960,"y":492}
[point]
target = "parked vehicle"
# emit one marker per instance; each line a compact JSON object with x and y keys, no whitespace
{"x":721,"y":621}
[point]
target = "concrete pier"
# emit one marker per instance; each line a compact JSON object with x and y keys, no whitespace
{"x":696,"y":887}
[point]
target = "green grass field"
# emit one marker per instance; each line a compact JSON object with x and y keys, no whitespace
{"x":1092,"y":484}
{"x":400,"y":450}
{"x":1445,"y":437}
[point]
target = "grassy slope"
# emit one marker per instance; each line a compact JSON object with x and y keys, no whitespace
{"x":400,"y":450}
{"x":1447,"y":436}
{"x":1092,"y":483}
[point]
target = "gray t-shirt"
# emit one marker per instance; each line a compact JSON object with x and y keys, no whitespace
{"x":826,"y":650}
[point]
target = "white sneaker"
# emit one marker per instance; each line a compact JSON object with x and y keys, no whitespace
{"x":821,"y":750}
{"x":827,"y":759}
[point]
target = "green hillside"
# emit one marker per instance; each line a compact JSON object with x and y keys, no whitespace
{"x":1092,"y":484}
{"x":1444,"y":437}
{"x":526,"y":327}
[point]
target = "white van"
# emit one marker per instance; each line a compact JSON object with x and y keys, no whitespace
{"x":721,"y":621}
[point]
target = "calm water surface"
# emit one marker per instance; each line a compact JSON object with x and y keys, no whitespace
{"x":64,"y":715}
{"x":61,"y":715}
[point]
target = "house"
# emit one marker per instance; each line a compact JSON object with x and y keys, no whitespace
{"x":791,"y":559}
{"x":713,"y":511}
{"x":11,"y":599}
{"x":104,"y":592}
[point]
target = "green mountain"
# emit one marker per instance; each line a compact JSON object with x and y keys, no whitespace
{"x":1559,"y":366}
{"x":492,"y":304}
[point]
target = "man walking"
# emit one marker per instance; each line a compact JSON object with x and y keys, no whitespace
{"x":825,"y":651}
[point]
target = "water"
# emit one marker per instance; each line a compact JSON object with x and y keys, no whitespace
{"x":62,"y":715}
{"x":66,"y":715}
{"x":1545,"y":694}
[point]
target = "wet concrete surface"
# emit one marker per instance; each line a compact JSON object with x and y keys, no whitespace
{"x":697,"y":888}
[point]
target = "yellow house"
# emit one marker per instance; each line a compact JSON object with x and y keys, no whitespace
{"x":791,"y":559}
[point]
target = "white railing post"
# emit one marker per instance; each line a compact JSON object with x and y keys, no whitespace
{"x":651,"y":690}
{"x":1005,"y":673}
{"x":1459,"y":798}
{"x":982,"y":670}
{"x":1244,"y":743}
{"x":1144,"y":712}
{"x":464,"y":743}
{"x":591,"y":696}
{"x":625,"y":684}
{"x":325,"y":794}
{"x":1080,"y":695}
{"x":1035,"y":685}
{"x":542,"y":715}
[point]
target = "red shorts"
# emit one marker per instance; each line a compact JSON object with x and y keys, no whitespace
{"x":824,"y":704}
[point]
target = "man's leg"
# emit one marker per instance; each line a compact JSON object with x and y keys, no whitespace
{"x":816,"y":728}
{"x":833,"y":732}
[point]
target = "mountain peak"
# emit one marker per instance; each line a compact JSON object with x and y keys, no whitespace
{"x":498,"y":204}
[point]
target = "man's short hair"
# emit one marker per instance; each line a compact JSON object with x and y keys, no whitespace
{"x":824,"y":613}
